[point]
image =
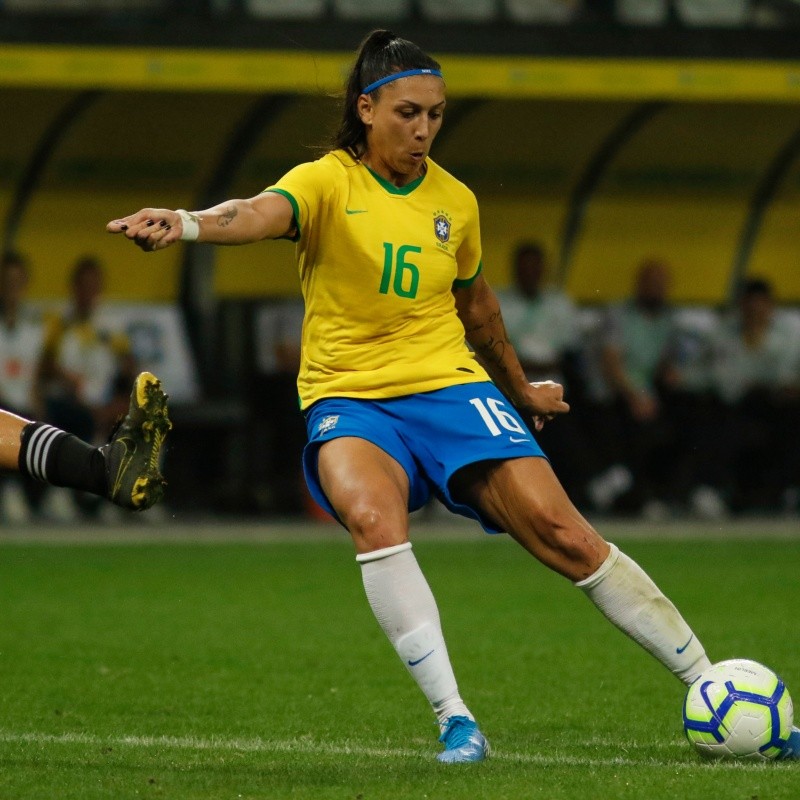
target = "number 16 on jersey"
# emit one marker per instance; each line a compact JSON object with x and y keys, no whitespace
{"x":406,"y":274}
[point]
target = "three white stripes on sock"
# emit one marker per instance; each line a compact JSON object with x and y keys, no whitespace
{"x":38,"y":449}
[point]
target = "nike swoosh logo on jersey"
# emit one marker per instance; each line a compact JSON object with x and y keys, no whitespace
{"x":679,"y":650}
{"x":355,"y":211}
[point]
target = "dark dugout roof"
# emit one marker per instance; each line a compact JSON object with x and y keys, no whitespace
{"x":596,"y":36}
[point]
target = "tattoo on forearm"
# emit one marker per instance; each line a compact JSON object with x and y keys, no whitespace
{"x":493,"y":351}
{"x":494,"y":318}
{"x":491,"y":347}
{"x":225,"y":219}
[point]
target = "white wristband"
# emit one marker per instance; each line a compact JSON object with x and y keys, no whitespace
{"x":191,"y":225}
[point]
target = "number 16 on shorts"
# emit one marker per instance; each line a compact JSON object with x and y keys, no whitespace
{"x":495,"y":417}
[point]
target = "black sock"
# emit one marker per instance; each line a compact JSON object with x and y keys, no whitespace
{"x":53,"y":456}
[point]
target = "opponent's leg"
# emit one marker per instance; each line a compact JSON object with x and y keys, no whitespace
{"x":369,"y":491}
{"x":125,"y":470}
{"x":11,"y":427}
{"x":524,"y":497}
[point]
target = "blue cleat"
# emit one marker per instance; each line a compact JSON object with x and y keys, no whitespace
{"x":463,"y":742}
{"x":792,"y":749}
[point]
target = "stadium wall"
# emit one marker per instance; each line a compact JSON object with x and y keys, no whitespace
{"x":604,"y":160}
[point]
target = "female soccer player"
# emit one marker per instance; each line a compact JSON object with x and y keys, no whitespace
{"x":397,"y":406}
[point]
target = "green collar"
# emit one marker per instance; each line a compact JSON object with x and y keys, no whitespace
{"x":391,"y":188}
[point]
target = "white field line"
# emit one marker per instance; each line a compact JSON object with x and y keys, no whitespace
{"x":309,"y":747}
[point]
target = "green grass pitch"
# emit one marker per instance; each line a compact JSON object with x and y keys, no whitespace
{"x":254,"y":669}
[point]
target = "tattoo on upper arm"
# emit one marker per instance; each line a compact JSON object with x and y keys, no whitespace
{"x":227,"y":216}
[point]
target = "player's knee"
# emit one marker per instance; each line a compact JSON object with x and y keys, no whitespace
{"x":365,"y":520}
{"x":580,"y":552}
{"x":374,"y":527}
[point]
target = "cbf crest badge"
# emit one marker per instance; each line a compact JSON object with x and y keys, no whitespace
{"x":328,"y":424}
{"x":441,"y":226}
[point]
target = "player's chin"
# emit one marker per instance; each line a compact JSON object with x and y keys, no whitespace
{"x":417,"y":157}
{"x":409,"y":162}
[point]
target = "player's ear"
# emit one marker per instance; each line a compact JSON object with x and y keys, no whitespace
{"x":365,"y":109}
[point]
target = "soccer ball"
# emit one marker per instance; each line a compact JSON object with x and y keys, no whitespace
{"x":738,"y":709}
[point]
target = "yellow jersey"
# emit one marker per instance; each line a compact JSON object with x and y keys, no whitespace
{"x":377,"y":267}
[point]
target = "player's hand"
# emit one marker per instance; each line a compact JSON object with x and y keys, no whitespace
{"x":543,"y":401}
{"x":151,"y":228}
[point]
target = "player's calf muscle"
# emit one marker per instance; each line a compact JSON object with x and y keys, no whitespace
{"x":527,"y":501}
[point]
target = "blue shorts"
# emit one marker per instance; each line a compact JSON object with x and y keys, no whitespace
{"x":431,"y":435}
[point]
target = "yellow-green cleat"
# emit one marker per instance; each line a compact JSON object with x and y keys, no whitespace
{"x":132,"y":453}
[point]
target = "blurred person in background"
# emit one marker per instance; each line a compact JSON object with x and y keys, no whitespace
{"x":695,"y":414}
{"x":754,"y":371}
{"x":84,"y":372}
{"x":635,"y":351}
{"x":21,"y":343}
{"x":85,"y":367}
{"x":543,"y":325}
{"x":398,"y":407}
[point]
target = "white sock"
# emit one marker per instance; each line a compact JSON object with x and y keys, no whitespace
{"x":628,"y":597}
{"x":405,"y":608}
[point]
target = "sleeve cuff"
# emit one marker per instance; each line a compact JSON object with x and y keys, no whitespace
{"x":295,"y":211}
{"x":463,"y":283}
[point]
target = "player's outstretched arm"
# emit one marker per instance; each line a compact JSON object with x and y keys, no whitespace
{"x":265,"y":216}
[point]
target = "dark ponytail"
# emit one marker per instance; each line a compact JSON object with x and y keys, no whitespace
{"x":379,"y":55}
